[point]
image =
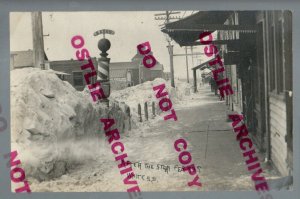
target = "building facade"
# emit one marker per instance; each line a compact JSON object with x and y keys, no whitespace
{"x":256,"y":47}
{"x":263,"y":77}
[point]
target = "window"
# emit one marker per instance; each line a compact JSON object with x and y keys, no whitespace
{"x":77,"y":79}
{"x":272,"y":54}
{"x":272,"y":60}
{"x":279,"y":56}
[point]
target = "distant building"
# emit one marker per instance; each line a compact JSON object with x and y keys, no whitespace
{"x":146,"y":74}
{"x":70,"y":71}
{"x":122,"y":74}
{"x":166,"y":75}
{"x":21,"y":59}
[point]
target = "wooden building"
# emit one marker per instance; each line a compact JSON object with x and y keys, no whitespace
{"x":146,"y":74}
{"x":74,"y":74}
{"x":256,"y":47}
{"x":122,"y":74}
{"x":21,"y":59}
{"x":274,"y":89}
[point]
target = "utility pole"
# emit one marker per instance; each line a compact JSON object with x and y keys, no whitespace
{"x":187,"y":66}
{"x":192,"y":56}
{"x":38,"y":40}
{"x":167,"y":19}
{"x":192,"y":52}
{"x":170,"y":48}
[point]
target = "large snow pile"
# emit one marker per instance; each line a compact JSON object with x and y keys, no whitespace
{"x":138,"y":94}
{"x":52,"y":124}
{"x":141,"y":93}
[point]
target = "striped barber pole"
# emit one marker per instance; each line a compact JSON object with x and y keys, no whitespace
{"x":103,"y":70}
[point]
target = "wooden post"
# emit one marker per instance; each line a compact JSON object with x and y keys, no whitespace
{"x":170,"y":48}
{"x":129,"y":116}
{"x":187,"y":66}
{"x":153,"y":109}
{"x":146,"y":110}
{"x":38,"y":40}
{"x":195,"y":81}
{"x":140,"y":112}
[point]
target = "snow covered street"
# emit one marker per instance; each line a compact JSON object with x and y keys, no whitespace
{"x":202,"y":122}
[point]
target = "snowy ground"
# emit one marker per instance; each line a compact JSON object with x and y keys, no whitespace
{"x":50,"y":121}
{"x":201,"y":121}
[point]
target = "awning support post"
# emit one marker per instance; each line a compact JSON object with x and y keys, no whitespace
{"x":195,"y":81}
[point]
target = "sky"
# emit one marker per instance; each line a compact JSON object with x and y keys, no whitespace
{"x":131,"y":28}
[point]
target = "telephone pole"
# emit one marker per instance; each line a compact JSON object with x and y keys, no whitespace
{"x":187,"y":66}
{"x":167,"y":17}
{"x":38,"y":40}
{"x":192,"y":52}
{"x":192,"y":56}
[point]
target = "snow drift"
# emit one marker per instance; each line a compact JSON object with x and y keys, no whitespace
{"x":139,"y":94}
{"x":53,"y":126}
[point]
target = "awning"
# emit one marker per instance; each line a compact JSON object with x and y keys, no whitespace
{"x":203,"y":65}
{"x":187,"y":30}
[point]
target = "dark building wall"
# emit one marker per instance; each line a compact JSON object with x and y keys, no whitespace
{"x":247,"y":71}
{"x":72,"y":67}
{"x":135,"y":76}
{"x":260,"y":85}
{"x":149,"y":75}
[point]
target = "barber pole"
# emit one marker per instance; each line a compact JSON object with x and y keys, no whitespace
{"x":103,"y":69}
{"x":103,"y":62}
